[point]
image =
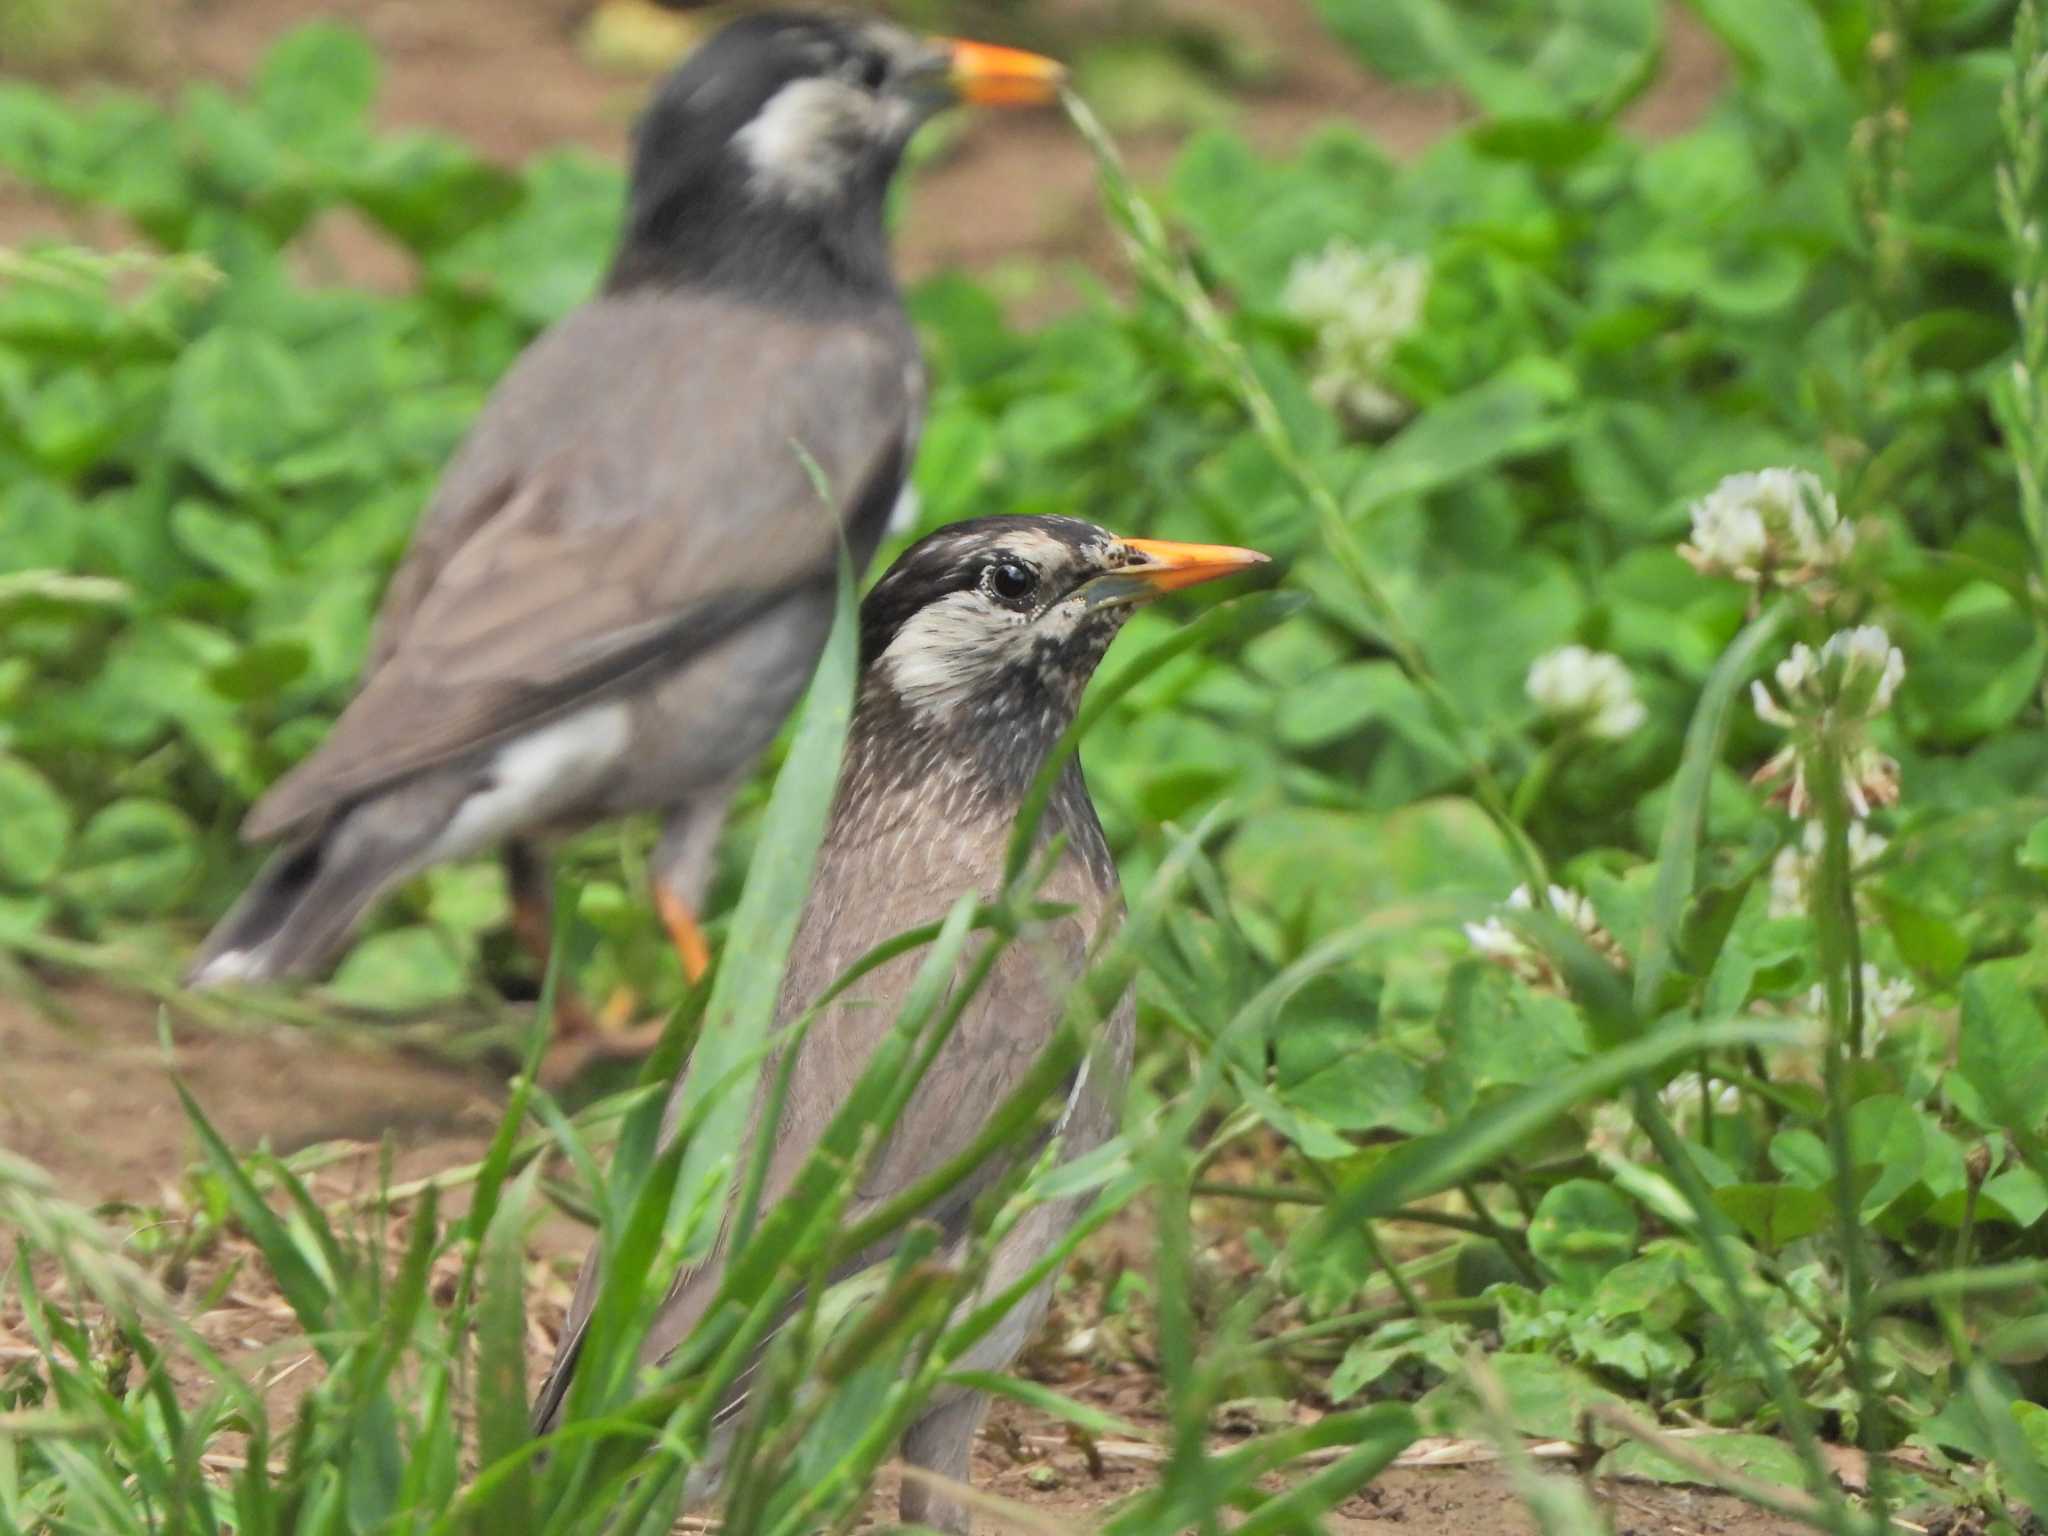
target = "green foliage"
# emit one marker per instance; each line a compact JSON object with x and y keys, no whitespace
{"x":1675,"y":1142}
{"x":210,"y":467}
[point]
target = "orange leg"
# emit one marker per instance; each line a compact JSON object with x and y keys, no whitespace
{"x":683,"y":932}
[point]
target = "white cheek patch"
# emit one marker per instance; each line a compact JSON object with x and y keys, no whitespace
{"x":947,"y":649}
{"x":801,"y":147}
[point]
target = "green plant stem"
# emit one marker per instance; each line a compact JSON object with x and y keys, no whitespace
{"x":1878,"y":155}
{"x":1513,"y":1245}
{"x":2022,"y":184}
{"x":1716,"y":1240}
{"x":1411,"y":1298}
{"x":1168,"y":275}
{"x":1369,"y":1317}
{"x":1294,"y":1194}
{"x":228,"y":1013}
{"x":1986,"y":1277}
{"x":1535,"y":784}
{"x":1833,"y":910}
{"x":1948,"y":1308}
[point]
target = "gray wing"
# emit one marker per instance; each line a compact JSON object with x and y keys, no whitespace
{"x":646,"y":479}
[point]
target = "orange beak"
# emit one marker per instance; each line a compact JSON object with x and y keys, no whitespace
{"x":993,"y":76}
{"x":1162,"y":567}
{"x":1174,"y":566}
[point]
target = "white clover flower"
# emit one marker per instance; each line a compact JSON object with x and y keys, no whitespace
{"x":1827,"y":699}
{"x":1870,"y":666}
{"x":1496,"y":941}
{"x":1362,"y":303}
{"x":1613,"y":1131}
{"x":1884,"y":998}
{"x":1683,"y":1093}
{"x":1777,"y":525}
{"x":1793,"y":869}
{"x":1588,"y":688}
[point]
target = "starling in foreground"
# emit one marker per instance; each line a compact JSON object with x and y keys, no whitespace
{"x":975,"y":648}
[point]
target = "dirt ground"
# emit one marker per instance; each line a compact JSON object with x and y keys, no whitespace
{"x":92,"y":1100}
{"x":507,"y":76}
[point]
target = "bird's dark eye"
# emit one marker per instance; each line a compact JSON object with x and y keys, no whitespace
{"x":1010,"y":581}
{"x":870,"y":71}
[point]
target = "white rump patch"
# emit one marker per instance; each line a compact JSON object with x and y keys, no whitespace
{"x":535,"y":778}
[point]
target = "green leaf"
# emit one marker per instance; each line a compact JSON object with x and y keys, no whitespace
{"x":1431,"y":1163}
{"x":1546,"y":1398}
{"x":1760,"y":1457}
{"x":502,"y":1430}
{"x":315,"y":87}
{"x":135,"y":858}
{"x":1325,"y":867}
{"x":1355,"y":1087}
{"x":1505,"y":418}
{"x":1989,"y":1392}
{"x":2002,"y":1048}
{"x":297,"y":1276}
{"x":2033,"y":852}
{"x":399,"y":971}
{"x":1581,"y":1230}
{"x":547,"y":256}
{"x":429,"y":191}
{"x":1886,"y":1140}
{"x":239,"y":400}
{"x":1772,"y":1215}
{"x":35,"y":825}
{"x":470,"y":898}
{"x":237,"y":547}
{"x":1980,"y":666}
{"x":39,"y":526}
{"x":1783,"y":51}
{"x":1930,"y":944}
{"x":1548,"y":60}
{"x":2020,"y":1193}
{"x":261,"y":671}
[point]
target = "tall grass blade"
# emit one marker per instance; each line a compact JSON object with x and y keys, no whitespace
{"x":1678,"y":845}
{"x":501,"y":1415}
{"x":741,"y":1008}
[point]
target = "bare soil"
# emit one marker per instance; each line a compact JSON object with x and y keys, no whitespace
{"x":507,"y":76}
{"x":92,"y":1100}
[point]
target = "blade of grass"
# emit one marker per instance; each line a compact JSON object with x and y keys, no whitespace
{"x":741,"y":1007}
{"x":1678,"y":844}
{"x":501,"y":1423}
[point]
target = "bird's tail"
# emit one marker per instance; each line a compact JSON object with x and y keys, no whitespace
{"x":298,"y":913}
